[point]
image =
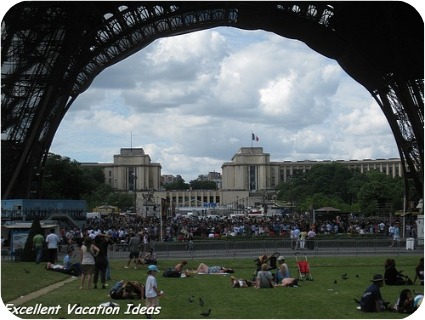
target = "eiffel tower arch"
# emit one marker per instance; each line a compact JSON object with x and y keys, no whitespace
{"x":52,"y":51}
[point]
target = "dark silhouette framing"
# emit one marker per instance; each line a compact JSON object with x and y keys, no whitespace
{"x":52,"y":51}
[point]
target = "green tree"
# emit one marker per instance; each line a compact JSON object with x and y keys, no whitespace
{"x":336,"y":186}
{"x":179,"y":184}
{"x":67,"y":179}
{"x":202,"y":185}
{"x":330,"y":179}
{"x":98,"y":196}
{"x":123,"y":200}
{"x":62,"y":179}
{"x":92,"y":177}
{"x":380,"y":194}
{"x":330,"y":182}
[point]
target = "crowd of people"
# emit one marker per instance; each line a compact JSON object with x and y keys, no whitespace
{"x":121,"y":228}
{"x":93,"y":241}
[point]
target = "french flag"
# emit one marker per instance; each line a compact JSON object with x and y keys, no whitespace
{"x":255,"y":138}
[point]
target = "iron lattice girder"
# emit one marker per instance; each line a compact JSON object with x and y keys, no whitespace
{"x":403,"y":106}
{"x":134,"y":26}
{"x":52,"y":51}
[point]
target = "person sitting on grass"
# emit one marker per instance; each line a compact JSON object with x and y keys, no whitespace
{"x":283,"y":270}
{"x":371,"y":300}
{"x":150,"y":257}
{"x":264,"y":277}
{"x":127,"y":290}
{"x":146,"y":258}
{"x":394,"y":277}
{"x":180,"y":266}
{"x":71,"y":267}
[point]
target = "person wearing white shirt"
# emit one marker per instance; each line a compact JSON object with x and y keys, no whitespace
{"x":310,"y":239}
{"x":296,"y":236}
{"x":151,"y":289}
{"x":52,"y":241}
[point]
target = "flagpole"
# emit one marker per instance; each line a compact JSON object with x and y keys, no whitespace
{"x":252,"y":135}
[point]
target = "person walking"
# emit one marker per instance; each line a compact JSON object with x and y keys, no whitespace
{"x":296,"y":237}
{"x":152,"y":291}
{"x":38,"y":245}
{"x":134,"y":247}
{"x":395,"y":234}
{"x":52,"y":241}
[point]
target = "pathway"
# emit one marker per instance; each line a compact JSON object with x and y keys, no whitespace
{"x":32,"y":295}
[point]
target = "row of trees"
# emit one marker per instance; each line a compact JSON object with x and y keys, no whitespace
{"x":324,"y":185}
{"x":337,"y":186}
{"x":200,"y":184}
{"x":66,"y":179}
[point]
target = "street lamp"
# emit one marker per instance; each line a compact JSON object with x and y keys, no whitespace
{"x":135,"y":191}
{"x":291,"y":196}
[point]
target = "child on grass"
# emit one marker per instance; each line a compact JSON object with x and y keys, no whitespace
{"x":152,"y":291}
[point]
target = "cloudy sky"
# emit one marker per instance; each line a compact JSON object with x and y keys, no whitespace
{"x":192,"y":101}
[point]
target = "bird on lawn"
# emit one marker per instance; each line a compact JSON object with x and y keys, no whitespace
{"x":335,"y":281}
{"x":201,"y":302}
{"x":26,"y":270}
{"x":206,"y":314}
{"x":191,"y":299}
{"x":344,"y":276}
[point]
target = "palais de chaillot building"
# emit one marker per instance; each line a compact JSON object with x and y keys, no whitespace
{"x":244,"y":180}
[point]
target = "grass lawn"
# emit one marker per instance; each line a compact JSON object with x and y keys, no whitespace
{"x":321,"y":298}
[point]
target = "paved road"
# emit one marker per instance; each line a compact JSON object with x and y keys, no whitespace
{"x":253,"y":252}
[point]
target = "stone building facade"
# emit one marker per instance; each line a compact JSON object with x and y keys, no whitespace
{"x":252,"y":170}
{"x":132,"y":170}
{"x":248,"y":179}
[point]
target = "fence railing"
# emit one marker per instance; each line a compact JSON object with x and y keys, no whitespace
{"x":254,"y":248}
